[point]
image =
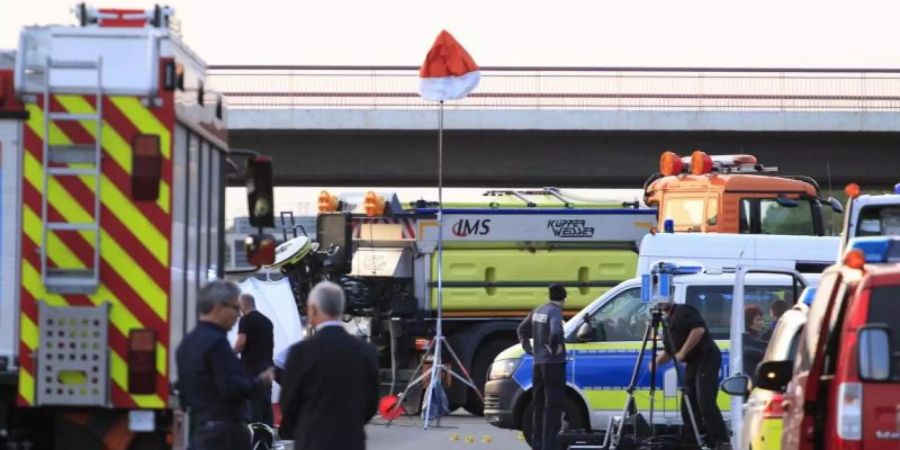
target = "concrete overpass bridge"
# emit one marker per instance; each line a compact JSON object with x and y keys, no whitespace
{"x":561,"y":126}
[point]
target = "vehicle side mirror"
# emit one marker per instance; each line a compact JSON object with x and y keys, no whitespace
{"x":835,"y":205}
{"x":260,"y":196}
{"x":260,"y":249}
{"x":585,"y":332}
{"x":874,"y":353}
{"x":738,"y":385}
{"x":774,"y":375}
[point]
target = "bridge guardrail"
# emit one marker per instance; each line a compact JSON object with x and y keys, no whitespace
{"x":566,"y":88}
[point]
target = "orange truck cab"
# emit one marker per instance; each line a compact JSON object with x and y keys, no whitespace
{"x":733,"y":194}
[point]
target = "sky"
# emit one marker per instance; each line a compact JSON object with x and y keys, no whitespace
{"x":783,"y":33}
{"x":761,"y":33}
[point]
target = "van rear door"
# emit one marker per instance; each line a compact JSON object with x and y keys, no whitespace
{"x":881,"y":400}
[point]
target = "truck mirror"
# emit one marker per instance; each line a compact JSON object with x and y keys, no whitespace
{"x":835,"y":205}
{"x":874,"y":353}
{"x":334,"y":232}
{"x":585,"y":332}
{"x":774,"y":375}
{"x":260,"y":197}
{"x":737,"y":386}
{"x":260,"y":249}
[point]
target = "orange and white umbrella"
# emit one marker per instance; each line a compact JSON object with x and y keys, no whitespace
{"x":448,"y":73}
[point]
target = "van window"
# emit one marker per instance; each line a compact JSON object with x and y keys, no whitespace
{"x":878,"y":220}
{"x":766,"y":216}
{"x":714,"y":304}
{"x":622,"y":318}
{"x":883,"y":310}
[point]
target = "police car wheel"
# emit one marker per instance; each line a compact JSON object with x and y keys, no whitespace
{"x":573,"y":418}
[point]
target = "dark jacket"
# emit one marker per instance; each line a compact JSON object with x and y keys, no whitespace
{"x":330,"y":391}
{"x":545,"y":326}
{"x":682,"y":320}
{"x":211,"y":380}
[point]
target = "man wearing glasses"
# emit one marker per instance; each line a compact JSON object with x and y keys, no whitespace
{"x":212,"y":382}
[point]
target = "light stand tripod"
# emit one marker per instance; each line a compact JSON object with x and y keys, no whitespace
{"x":440,"y":341}
{"x":657,"y":319}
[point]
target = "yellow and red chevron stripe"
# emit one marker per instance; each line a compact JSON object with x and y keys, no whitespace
{"x":134,"y":235}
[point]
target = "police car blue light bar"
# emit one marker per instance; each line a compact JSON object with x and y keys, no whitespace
{"x":877,"y":249}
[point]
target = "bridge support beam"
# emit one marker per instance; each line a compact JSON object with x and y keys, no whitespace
{"x":568,"y":158}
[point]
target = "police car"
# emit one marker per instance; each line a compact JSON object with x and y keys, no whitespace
{"x":601,"y":361}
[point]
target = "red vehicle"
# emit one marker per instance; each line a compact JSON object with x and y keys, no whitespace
{"x":844,"y":387}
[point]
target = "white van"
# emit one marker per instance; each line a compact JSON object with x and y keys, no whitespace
{"x":805,"y":254}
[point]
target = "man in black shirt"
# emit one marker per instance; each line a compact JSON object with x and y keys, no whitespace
{"x":693,"y":345}
{"x":254,"y":344}
{"x":211,"y":382}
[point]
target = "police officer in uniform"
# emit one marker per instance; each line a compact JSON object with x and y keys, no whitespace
{"x":545,"y":326}
{"x":694,"y":346}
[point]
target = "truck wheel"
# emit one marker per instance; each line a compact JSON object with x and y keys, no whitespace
{"x":480,"y":366}
{"x":573,"y":418}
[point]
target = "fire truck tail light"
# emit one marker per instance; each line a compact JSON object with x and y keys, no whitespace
{"x":670,"y":164}
{"x":701,"y":163}
{"x":142,"y":361}
{"x":146,"y":167}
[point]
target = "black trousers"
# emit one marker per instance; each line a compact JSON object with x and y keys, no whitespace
{"x":261,"y":406}
{"x":701,"y":385}
{"x":221,"y":435}
{"x":549,"y":388}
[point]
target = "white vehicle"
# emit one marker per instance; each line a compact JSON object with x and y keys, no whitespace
{"x":763,"y":412}
{"x":805,"y":254}
{"x":603,"y":341}
{"x":870,"y":215}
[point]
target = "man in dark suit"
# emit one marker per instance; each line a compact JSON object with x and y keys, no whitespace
{"x":211,"y":381}
{"x":330,"y":384}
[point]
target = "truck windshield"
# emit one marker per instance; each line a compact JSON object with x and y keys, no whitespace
{"x":883,"y":310}
{"x":768,"y":216}
{"x":879,"y":220}
{"x":690,"y":213}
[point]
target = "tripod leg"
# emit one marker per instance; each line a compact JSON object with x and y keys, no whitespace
{"x":417,"y":378}
{"x":632,"y":385}
{"x":434,"y":379}
{"x":461,"y":379}
{"x":690,"y":408}
{"x":462,"y":368}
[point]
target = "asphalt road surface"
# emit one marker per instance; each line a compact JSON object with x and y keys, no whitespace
{"x":457,"y":431}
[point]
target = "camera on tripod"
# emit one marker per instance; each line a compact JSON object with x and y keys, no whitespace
{"x":632,"y":430}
